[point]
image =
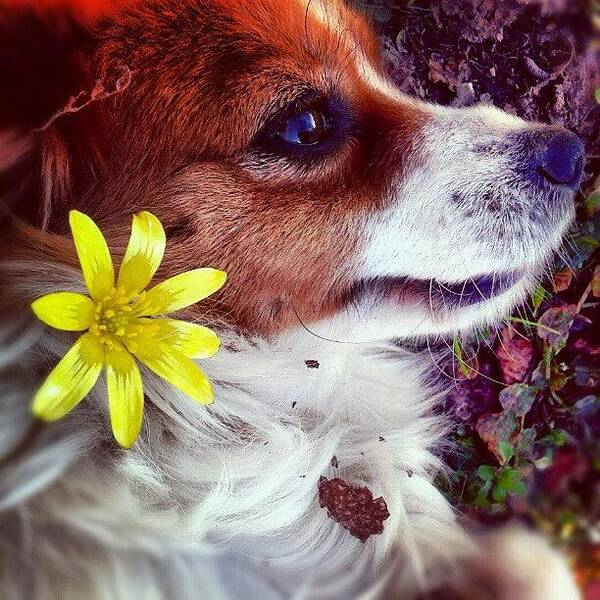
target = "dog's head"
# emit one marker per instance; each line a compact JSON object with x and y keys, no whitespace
{"x":268,"y":139}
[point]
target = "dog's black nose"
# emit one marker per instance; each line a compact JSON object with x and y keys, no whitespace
{"x":558,"y":156}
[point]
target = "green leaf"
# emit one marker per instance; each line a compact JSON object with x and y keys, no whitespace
{"x":566,"y":516}
{"x":592,"y":203}
{"x":510,"y":482}
{"x":557,"y":438}
{"x":465,"y":368}
{"x":585,"y":243}
{"x":499,"y":494}
{"x":481,"y":499}
{"x":486,"y":472}
{"x":597,"y":95}
{"x":506,"y":450}
{"x":589,"y":243}
{"x":539,"y":294}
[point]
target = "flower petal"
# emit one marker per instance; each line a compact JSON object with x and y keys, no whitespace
{"x":191,"y":339}
{"x":177,"y":369}
{"x":65,"y":310}
{"x":71,"y":380}
{"x":144,"y":253}
{"x":125,"y":395}
{"x":180,"y":291}
{"x":94,"y":255}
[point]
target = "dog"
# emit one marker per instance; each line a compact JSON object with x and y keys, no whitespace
{"x":354,"y":223}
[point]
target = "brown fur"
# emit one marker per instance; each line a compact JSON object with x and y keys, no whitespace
{"x":178,"y":142}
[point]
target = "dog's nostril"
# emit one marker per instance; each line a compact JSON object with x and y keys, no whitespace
{"x":560,"y":157}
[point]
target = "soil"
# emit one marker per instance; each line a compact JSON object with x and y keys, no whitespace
{"x":538,"y":60}
{"x":527,"y":397}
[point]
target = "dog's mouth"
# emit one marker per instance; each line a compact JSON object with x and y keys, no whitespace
{"x":465,"y":293}
{"x":478,"y":289}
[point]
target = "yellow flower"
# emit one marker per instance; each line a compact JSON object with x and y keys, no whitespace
{"x":118,"y":324}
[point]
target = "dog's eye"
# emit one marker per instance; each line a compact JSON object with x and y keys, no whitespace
{"x":311,"y":128}
{"x":306,"y":128}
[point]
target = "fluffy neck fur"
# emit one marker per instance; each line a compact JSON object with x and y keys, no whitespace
{"x":222,"y":501}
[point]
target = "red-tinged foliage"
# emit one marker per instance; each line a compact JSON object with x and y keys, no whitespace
{"x":514,"y":352}
{"x":554,"y":325}
{"x":501,"y":431}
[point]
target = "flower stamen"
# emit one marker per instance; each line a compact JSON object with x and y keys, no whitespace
{"x":113,"y":319}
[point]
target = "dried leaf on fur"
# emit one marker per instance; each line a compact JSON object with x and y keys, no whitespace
{"x":111,"y":84}
{"x":353,"y":507}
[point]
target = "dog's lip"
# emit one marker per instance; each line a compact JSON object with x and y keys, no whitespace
{"x":478,"y":289}
{"x":474,"y":290}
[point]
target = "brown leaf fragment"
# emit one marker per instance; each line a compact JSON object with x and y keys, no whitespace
{"x":514,"y":356}
{"x":437,"y":72}
{"x":496,"y":430}
{"x":353,"y":507}
{"x":112,"y":83}
{"x":562,"y":280}
{"x":554,"y":325}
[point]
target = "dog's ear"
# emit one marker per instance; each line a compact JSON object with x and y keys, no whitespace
{"x":47,"y":74}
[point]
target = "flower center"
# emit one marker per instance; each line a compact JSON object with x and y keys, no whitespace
{"x":113,"y":319}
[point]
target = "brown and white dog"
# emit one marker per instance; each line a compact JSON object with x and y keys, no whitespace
{"x":351,"y":220}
